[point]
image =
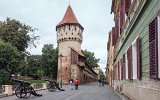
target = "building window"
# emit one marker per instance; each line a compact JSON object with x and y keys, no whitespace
{"x":69,"y":26}
{"x":120,"y":70}
{"x":126,"y":65}
{"x":136,"y":58}
{"x":158,"y":18}
{"x":130,"y":68}
{"x":75,"y":27}
{"x":127,"y":6}
{"x":154,"y":47}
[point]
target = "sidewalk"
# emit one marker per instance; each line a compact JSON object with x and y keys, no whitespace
{"x":122,"y":96}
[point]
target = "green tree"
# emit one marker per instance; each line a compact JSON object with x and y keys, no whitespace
{"x":16,"y":33}
{"x":33,"y":65}
{"x":40,"y":73}
{"x":4,"y":75}
{"x":50,"y":60}
{"x":9,"y":59}
{"x":21,"y":36}
{"x":91,"y":59}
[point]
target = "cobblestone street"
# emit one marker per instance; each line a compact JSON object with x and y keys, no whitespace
{"x":86,"y":92}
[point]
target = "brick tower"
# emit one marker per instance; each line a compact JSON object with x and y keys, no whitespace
{"x":69,"y":36}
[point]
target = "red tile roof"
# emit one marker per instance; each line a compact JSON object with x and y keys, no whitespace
{"x":69,"y":17}
{"x":78,"y":52}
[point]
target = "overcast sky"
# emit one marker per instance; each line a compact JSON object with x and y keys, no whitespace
{"x":93,"y":15}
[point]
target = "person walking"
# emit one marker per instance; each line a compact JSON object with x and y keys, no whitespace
{"x":100,"y":82}
{"x":76,"y":84}
{"x":71,"y":84}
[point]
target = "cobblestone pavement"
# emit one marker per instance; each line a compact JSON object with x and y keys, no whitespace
{"x":89,"y":91}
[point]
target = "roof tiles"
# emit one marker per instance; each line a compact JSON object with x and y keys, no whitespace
{"x":69,"y":17}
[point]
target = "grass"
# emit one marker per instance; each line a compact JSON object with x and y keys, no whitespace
{"x":36,"y":81}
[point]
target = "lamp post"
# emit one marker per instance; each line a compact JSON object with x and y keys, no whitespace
{"x":61,"y":67}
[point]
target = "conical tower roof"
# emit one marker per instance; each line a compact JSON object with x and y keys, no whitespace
{"x":69,"y":18}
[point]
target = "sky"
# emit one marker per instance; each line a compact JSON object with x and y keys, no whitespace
{"x":93,"y":15}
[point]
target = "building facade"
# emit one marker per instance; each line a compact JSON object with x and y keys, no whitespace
{"x":71,"y":62}
{"x":109,"y":68}
{"x":136,"y":41}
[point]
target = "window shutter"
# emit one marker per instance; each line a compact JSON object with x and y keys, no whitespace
{"x":118,"y":71}
{"x":138,"y":58}
{"x":153,"y":48}
{"x":127,"y":6}
{"x":121,"y":68}
{"x":128,"y":64}
{"x":113,"y":36}
{"x":130,"y":69}
{"x":121,"y":13}
{"x":124,"y":67}
{"x":118,"y":23}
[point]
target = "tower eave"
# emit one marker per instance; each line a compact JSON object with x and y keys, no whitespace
{"x":60,"y":25}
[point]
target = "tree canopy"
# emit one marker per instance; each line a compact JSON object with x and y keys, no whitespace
{"x":15,"y":38}
{"x":16,"y":33}
{"x":91,"y":59}
{"x":9,"y":60}
{"x":34,"y":66}
{"x":50,"y":60}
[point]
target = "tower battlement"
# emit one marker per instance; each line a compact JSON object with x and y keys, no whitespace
{"x":69,"y":33}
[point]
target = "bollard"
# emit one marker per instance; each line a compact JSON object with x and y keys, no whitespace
{"x":44,"y":86}
{"x":8,"y":89}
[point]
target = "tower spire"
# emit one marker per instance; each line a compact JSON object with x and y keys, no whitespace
{"x":69,"y":18}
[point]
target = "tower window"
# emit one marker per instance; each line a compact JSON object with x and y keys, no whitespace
{"x":69,"y":27}
{"x":64,"y":28}
{"x":75,"y":28}
{"x":72,"y":33}
{"x":66,"y":33}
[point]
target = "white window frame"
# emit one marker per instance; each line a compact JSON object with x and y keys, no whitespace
{"x":126,"y":65}
{"x":120,"y":70}
{"x":158,"y":19}
{"x":134,"y":58}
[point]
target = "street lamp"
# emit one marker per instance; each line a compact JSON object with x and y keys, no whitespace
{"x":61,"y":67}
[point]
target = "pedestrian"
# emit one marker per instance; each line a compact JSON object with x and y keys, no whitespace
{"x":102,"y":82}
{"x":99,"y":82}
{"x":71,"y":84}
{"x":76,"y":84}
